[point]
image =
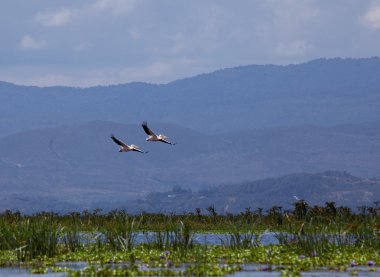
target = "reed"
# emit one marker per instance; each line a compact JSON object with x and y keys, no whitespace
{"x":30,"y":238}
{"x":306,"y":229}
{"x":177,"y":236}
{"x":73,"y":238}
{"x":121,"y":234}
{"x":240,"y":237}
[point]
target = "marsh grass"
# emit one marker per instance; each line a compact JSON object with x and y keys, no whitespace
{"x":367,"y":232}
{"x":307,"y":231}
{"x":72,"y":237}
{"x":312,"y":238}
{"x":178,"y":236}
{"x":30,"y":238}
{"x":238,"y":237}
{"x":121,"y":234}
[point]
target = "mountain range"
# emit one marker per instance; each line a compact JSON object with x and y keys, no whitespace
{"x":321,"y":92}
{"x":232,"y":126}
{"x":315,"y":188}
{"x":80,"y":165}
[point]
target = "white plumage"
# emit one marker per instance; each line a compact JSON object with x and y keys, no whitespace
{"x":153,"y":137}
{"x":125,"y":147}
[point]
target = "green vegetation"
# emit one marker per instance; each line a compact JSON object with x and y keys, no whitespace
{"x":309,"y":238}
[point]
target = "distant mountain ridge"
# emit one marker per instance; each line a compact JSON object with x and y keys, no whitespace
{"x":315,"y":188}
{"x":233,"y":126}
{"x":80,"y":166}
{"x":320,"y":92}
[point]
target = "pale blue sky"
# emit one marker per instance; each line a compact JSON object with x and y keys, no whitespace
{"x":86,"y":43}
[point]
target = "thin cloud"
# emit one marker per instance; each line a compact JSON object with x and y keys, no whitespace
{"x":80,"y":47}
{"x":154,"y":72}
{"x":134,"y":33}
{"x":116,"y":41}
{"x":28,"y":42}
{"x":293,"y":48}
{"x":373,"y":17}
{"x":59,"y":18}
{"x":115,"y":7}
{"x":66,"y":15}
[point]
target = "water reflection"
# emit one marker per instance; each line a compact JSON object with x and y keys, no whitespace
{"x":249,"y":270}
{"x":22,"y":272}
{"x":198,"y":238}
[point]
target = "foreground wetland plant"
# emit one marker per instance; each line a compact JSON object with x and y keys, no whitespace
{"x":30,"y":238}
{"x":118,"y":244}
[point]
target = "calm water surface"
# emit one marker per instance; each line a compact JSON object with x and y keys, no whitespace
{"x":248,"y":271}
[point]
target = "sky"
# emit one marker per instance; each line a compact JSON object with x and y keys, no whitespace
{"x":101,"y":42}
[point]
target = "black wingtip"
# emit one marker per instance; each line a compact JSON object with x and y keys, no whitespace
{"x":115,"y":140}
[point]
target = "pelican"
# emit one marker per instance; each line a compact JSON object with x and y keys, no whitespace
{"x":126,"y":148}
{"x":153,"y":137}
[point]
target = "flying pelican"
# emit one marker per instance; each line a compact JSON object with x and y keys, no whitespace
{"x":126,"y":148}
{"x":153,"y":137}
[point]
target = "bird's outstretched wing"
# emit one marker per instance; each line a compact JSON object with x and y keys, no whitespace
{"x":137,"y":149}
{"x":118,"y":142}
{"x":146,"y":129}
{"x":168,"y":142}
{"x":140,"y":151}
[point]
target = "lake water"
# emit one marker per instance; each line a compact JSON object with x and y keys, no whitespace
{"x":211,"y":238}
{"x":20,"y":272}
{"x":249,"y":270}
